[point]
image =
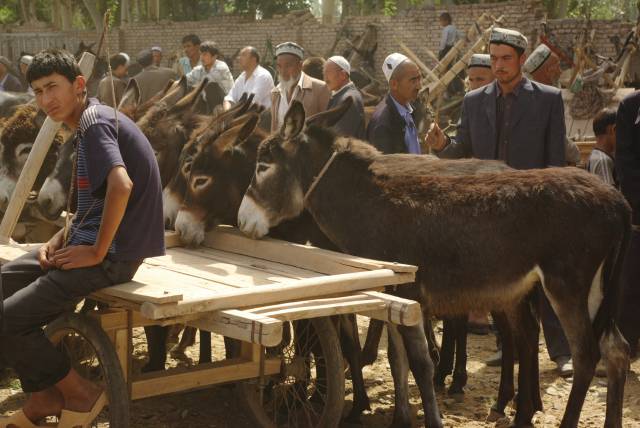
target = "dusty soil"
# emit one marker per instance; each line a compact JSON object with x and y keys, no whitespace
{"x":218,"y":407}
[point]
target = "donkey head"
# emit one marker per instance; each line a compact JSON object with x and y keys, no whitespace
{"x":285,"y":165}
{"x":52,"y":197}
{"x":18,"y":135}
{"x":220,"y":173}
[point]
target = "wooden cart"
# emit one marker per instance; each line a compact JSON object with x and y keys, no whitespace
{"x":274,"y":296}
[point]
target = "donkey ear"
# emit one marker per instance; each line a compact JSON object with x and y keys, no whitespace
{"x":176,"y":91}
{"x":238,"y":133}
{"x":331,"y":117}
{"x":131,"y":97}
{"x":190,"y":99}
{"x":293,"y":121}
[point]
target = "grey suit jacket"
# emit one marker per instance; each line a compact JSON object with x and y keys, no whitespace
{"x":152,"y":80}
{"x":536,"y":136}
{"x":351,"y":124}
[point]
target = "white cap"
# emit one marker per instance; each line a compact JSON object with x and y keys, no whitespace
{"x":509,"y":37}
{"x":26,"y":59}
{"x":480,"y":60}
{"x":290,"y":48}
{"x":391,"y":63}
{"x":156,"y":48}
{"x":126,"y":57}
{"x":341,"y":62}
{"x":537,"y":58}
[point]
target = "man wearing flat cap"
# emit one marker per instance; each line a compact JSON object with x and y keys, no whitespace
{"x":294,"y":84}
{"x":152,"y":79}
{"x":392,"y":127}
{"x":336,"y":73}
{"x":520,"y":122}
{"x":543,"y":66}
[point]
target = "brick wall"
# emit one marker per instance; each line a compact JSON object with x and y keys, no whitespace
{"x":418,"y":28}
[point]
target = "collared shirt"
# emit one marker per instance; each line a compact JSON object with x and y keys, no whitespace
{"x":259,"y":83}
{"x":504,"y":108}
{"x":410,"y":131}
{"x":283,"y":105}
{"x":185,"y":64}
{"x":219,"y":73}
{"x":2,"y":82}
{"x":449,"y":36}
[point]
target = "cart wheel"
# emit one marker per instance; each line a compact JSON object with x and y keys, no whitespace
{"x":309,"y":390}
{"x":93,"y":356}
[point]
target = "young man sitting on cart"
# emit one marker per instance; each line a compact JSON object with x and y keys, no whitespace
{"x":118,"y":223}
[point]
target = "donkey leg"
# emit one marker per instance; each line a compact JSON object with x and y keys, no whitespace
{"x":156,"y":347}
{"x":432,"y":342}
{"x":460,"y":369}
{"x":447,"y":351}
{"x":422,"y":369}
{"x":205,"y":347}
{"x":351,"y":350}
{"x":573,"y":313}
{"x":615,"y":351}
{"x":399,"y":363}
{"x":524,"y":325}
{"x":370,"y":350}
{"x":506,"y":390}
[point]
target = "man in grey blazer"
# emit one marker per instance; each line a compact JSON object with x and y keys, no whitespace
{"x":520,"y":122}
{"x":336,"y":75}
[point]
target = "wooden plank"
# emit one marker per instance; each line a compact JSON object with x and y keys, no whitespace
{"x":172,"y":239}
{"x":11,"y":252}
{"x":245,"y":326}
{"x":320,"y":309}
{"x":229,"y":239}
{"x":397,"y":310}
{"x":121,"y":345}
{"x":142,"y":292}
{"x":267,"y":294}
{"x":32,"y":166}
{"x":201,"y":376}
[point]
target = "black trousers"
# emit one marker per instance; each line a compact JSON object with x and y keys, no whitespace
{"x":31,"y":299}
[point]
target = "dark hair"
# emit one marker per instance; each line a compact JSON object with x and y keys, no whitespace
{"x":117,"y":60}
{"x":145,"y":58}
{"x":192,"y":38}
{"x":211,"y":47}
{"x":254,"y":53}
{"x":445,"y":16}
{"x":313,"y":66}
{"x":50,"y":61}
{"x":605,"y":117}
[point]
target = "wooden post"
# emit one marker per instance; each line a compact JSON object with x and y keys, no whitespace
{"x":34,"y":163}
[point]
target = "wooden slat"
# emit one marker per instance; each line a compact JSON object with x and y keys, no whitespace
{"x":397,"y":310}
{"x":204,"y":375}
{"x":326,"y":309}
{"x":245,"y":326}
{"x":227,"y":238}
{"x":267,"y":294}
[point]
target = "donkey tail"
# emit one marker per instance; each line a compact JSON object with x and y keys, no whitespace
{"x":607,"y":313}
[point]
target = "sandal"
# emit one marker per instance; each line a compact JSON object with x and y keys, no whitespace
{"x":70,"y":419}
{"x":20,"y":420}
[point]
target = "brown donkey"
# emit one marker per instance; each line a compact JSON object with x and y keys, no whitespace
{"x":481,"y":241}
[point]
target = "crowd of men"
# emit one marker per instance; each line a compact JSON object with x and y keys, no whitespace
{"x":512,"y":112}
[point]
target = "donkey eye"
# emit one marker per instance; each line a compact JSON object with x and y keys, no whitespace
{"x":262,"y":167}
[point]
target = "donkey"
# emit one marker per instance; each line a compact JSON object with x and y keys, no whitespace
{"x":52,"y":197}
{"x":480,"y":242}
{"x":17,"y":137}
{"x":219,"y":174}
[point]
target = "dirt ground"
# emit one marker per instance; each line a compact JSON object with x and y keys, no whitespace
{"x":218,"y":407}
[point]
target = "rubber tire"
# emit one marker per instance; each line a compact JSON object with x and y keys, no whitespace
{"x":332,"y":412}
{"x":116,"y":387}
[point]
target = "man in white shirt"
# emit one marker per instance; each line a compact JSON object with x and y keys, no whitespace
{"x":212,"y":68}
{"x":254,"y":79}
{"x":191,"y":58}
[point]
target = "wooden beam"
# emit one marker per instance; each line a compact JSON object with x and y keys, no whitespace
{"x":267,"y":294}
{"x":241,"y":325}
{"x":33,"y":164}
{"x":397,"y":310}
{"x":201,"y":376}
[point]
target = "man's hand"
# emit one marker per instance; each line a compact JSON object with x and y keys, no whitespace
{"x":435,"y":138}
{"x":77,"y":256}
{"x":46,"y":252}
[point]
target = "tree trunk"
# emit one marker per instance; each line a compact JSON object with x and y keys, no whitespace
{"x":328,"y":10}
{"x":125,"y":16}
{"x":66,"y":15}
{"x":28,"y":11}
{"x":153,"y":10}
{"x":92,"y":8}
{"x":562,"y":8}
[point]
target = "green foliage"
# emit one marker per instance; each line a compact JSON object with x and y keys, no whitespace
{"x":8,"y":14}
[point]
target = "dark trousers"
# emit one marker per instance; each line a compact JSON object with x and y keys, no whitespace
{"x":557,"y":345}
{"x":32,"y":298}
{"x":629,"y":314}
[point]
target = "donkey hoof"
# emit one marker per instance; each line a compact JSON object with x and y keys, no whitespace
{"x":456,"y":391}
{"x":495,"y":416}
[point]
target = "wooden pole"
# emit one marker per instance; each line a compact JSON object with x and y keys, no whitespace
{"x":33,"y":164}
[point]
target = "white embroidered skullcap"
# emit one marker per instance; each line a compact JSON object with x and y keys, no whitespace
{"x":480,"y":60}
{"x":537,"y":58}
{"x":290,"y":48}
{"x":391,"y":63}
{"x":26,"y":59}
{"x":341,"y":62}
{"x":156,"y":48}
{"x":512,"y":38}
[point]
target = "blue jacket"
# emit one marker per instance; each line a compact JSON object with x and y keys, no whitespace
{"x":536,"y":135}
{"x":386,"y":128}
